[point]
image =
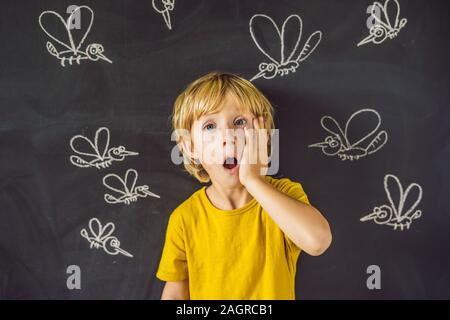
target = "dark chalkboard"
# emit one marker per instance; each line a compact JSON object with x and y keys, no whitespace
{"x":392,"y":89}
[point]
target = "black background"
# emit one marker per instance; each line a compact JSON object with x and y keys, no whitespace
{"x":45,"y":201}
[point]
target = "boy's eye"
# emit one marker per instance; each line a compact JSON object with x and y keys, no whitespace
{"x":240,"y":122}
{"x":209,"y":126}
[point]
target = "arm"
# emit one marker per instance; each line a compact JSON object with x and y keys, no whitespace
{"x":178,"y":290}
{"x":302,"y":223}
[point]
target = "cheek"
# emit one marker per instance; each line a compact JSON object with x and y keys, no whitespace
{"x":210,"y":150}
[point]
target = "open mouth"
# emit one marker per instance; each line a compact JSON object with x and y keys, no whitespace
{"x":230,"y":163}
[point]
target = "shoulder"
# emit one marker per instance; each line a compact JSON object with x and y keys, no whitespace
{"x":186,"y":208}
{"x":282,"y":183}
{"x":290,"y":187}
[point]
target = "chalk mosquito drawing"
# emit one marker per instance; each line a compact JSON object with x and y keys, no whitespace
{"x":394,"y":214}
{"x":288,"y":57}
{"x":93,"y":51}
{"x":164,"y":7}
{"x":128,"y":191}
{"x":347,"y":147}
{"x":387,"y":22}
{"x":101,"y":237}
{"x":96,"y":154}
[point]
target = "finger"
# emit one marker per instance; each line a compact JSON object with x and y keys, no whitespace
{"x":256,"y":123}
{"x":262,"y":133}
{"x":263,"y":140}
{"x":250,"y":146}
{"x":257,"y":135}
{"x":252,"y":143}
{"x":256,"y":144}
{"x":246,"y":144}
{"x":263,"y":126}
{"x":247,"y":134}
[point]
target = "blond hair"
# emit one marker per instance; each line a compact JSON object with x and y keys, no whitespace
{"x":205,"y":96}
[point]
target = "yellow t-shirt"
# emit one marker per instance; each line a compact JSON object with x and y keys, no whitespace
{"x":231,"y":254}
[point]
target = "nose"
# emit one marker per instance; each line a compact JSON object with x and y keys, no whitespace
{"x":229,"y":137}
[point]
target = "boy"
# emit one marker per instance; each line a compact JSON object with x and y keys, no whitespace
{"x":239,"y":237}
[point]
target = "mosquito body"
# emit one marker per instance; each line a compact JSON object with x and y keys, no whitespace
{"x":340,"y":143}
{"x":387,"y":22}
{"x":128,"y":191}
{"x":287,"y":59}
{"x":101,"y":237}
{"x":97,"y":153}
{"x":72,"y":51}
{"x":394,"y":214}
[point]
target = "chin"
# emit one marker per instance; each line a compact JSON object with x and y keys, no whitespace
{"x":226,"y":179}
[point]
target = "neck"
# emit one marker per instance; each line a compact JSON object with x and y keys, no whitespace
{"x":228,"y":198}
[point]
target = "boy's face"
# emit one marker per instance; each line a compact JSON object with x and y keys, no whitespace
{"x":219,"y":141}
